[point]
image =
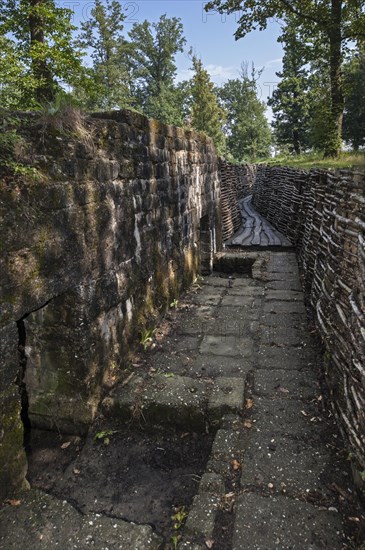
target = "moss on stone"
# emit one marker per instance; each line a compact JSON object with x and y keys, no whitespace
{"x":12,"y":455}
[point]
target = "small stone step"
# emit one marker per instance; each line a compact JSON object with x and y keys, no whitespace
{"x":177,"y":401}
{"x":43,"y":521}
{"x":275,"y":522}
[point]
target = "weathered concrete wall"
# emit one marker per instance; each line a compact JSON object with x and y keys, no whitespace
{"x":91,"y":254}
{"x":323,"y":214}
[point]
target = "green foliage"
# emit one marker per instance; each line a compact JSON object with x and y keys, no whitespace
{"x":316,"y":160}
{"x":147,"y":338}
{"x":206,"y":114}
{"x":12,"y":149}
{"x":175,"y":541}
{"x":107,"y":85}
{"x":14,"y":77}
{"x":104,"y":436}
{"x":290,"y":100}
{"x":179,"y":517}
{"x":165,"y":106}
{"x":9,"y":140}
{"x":319,"y":22}
{"x":152,"y":60}
{"x":174,"y":303}
{"x":354,"y":118}
{"x":38,"y":50}
{"x":247,"y":129}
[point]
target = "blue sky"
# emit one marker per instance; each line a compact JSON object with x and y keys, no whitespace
{"x":210,"y":36}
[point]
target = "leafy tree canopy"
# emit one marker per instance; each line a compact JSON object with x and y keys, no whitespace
{"x":42,"y":45}
{"x":109,"y":82}
{"x":247,"y":129}
{"x":152,"y":59}
{"x":206,"y":114}
{"x":319,"y":21}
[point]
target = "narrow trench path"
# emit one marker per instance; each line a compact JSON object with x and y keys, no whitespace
{"x":288,"y":485}
{"x":256,"y":230}
{"x":235,"y":358}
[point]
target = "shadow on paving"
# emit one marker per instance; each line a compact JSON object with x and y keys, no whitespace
{"x":222,"y":423}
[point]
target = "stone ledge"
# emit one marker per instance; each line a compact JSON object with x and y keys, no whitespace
{"x":177,"y":401}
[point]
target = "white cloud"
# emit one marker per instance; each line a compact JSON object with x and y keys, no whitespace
{"x":184,"y":74}
{"x":272,"y":62}
{"x":218,"y":73}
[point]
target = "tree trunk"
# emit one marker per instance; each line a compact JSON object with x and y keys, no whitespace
{"x":296,"y":142}
{"x":333,"y":145}
{"x":40,"y":67}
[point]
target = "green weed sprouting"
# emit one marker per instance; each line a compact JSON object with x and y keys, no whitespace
{"x":147,"y":337}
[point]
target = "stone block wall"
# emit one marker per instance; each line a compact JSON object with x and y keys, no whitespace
{"x":92,"y":251}
{"x":323,"y":214}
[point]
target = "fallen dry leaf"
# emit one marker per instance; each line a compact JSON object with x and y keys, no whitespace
{"x":76,"y":471}
{"x":13,"y":502}
{"x":249,"y":403}
{"x":247,"y":424}
{"x":270,"y":485}
{"x":304,"y":413}
{"x":209,"y":543}
{"x":352,"y":518}
{"x":235,"y":465}
{"x":65,"y":445}
{"x":283,"y":390}
{"x":185,"y":434}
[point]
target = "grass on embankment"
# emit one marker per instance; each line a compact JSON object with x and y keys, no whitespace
{"x":316,"y":160}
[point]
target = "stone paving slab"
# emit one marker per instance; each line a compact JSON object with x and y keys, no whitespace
{"x":284,"y":320}
{"x":215,"y":281}
{"x":240,"y":300}
{"x":227,"y":446}
{"x":285,"y":295}
{"x":167,"y":363}
{"x":277,"y":522}
{"x":216,"y":327}
{"x":246,"y":291}
{"x":283,"y":336}
{"x":284,"y":307}
{"x":202,"y":515}
{"x":292,"y":284}
{"x":227,"y":346}
{"x":284,"y":461}
{"x":210,"y":296}
{"x":211,"y":366}
{"x":226,"y":397}
{"x":273,"y":357}
{"x":285,"y":384}
{"x":249,"y":284}
{"x":42,"y":521}
{"x":186,"y":343}
{"x":284,"y":416}
{"x":283,"y":266}
{"x":239,"y":313}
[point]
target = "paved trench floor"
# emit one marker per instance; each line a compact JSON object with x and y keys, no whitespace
{"x":217,"y":435}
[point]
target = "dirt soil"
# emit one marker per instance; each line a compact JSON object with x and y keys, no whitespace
{"x":133,"y":475}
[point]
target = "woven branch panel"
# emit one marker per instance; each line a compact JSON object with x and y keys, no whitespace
{"x":323,"y":214}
